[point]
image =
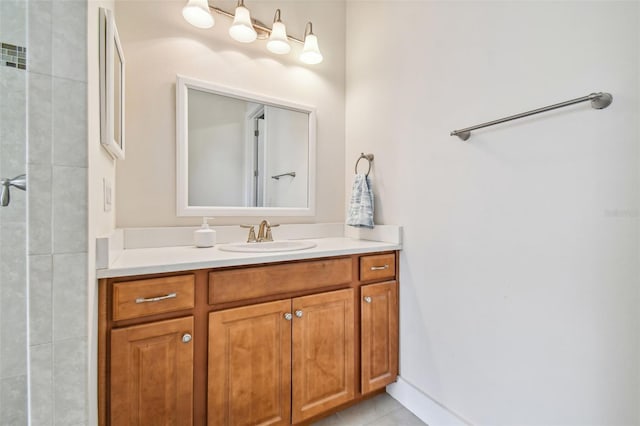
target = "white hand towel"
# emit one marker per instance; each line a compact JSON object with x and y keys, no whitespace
{"x":361,"y":205}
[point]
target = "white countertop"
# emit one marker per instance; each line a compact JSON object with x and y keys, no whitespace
{"x":173,"y":259}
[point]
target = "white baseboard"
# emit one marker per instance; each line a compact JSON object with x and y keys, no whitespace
{"x":425,"y":408}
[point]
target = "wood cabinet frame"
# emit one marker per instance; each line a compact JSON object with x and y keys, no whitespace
{"x":200,"y":313}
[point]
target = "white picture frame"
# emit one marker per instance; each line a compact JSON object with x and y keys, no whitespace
{"x":112,"y":87}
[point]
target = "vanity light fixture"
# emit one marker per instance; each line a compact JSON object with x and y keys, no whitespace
{"x":197,"y":13}
{"x":246,"y":29}
{"x":242,"y":29}
{"x":310,"y":52}
{"x":278,"y":42}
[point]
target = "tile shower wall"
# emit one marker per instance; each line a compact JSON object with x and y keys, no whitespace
{"x":13,"y":227}
{"x":57,"y":213}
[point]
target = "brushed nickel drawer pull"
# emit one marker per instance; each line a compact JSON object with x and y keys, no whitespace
{"x":379,"y":268}
{"x":368,"y":299}
{"x":157,"y":299}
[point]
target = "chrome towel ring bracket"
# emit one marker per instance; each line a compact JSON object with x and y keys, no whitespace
{"x":368,"y":157}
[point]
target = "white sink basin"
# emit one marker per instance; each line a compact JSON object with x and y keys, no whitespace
{"x":268,"y":246}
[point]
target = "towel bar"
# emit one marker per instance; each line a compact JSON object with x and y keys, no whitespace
{"x":277,"y":177}
{"x":598,"y":100}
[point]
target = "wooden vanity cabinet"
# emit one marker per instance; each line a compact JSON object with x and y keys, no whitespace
{"x":323,"y":353}
{"x":249,"y":377}
{"x":378,"y":321}
{"x":378,"y":335}
{"x":146,"y":351}
{"x":252,"y":350}
{"x":273,"y":344}
{"x":152,"y":374}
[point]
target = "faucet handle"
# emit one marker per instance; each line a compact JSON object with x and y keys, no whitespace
{"x":269,"y":236}
{"x":252,"y":233}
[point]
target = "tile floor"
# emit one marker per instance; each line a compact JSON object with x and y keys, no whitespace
{"x":381,"y":410}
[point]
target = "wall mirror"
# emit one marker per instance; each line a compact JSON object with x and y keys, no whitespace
{"x":112,"y":72}
{"x":242,"y":154}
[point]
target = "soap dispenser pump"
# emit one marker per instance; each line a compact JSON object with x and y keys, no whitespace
{"x":205,"y":236}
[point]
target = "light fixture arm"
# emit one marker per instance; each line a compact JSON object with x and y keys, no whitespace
{"x":246,"y":29}
{"x":309,"y":27}
{"x":260,"y":27}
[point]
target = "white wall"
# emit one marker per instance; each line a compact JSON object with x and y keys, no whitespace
{"x":159,"y":44}
{"x":519,"y":274}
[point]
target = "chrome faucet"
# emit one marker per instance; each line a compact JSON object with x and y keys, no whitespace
{"x":19,"y":182}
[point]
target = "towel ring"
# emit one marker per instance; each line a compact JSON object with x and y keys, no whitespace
{"x":368,"y":157}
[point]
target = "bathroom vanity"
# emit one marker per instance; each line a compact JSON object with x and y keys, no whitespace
{"x":249,"y":340}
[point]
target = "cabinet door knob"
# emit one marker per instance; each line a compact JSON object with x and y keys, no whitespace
{"x":299,"y":313}
{"x":367,"y":299}
{"x":288,"y":316}
{"x":186,"y":338}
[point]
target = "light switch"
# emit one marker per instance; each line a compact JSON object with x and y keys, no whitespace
{"x":107,"y":194}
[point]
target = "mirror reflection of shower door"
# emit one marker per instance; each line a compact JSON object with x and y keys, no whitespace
{"x":286,"y":154}
{"x":275,"y":160}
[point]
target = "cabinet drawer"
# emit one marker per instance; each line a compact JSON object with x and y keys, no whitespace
{"x":133,"y":299}
{"x":377,"y":267}
{"x":249,"y":283}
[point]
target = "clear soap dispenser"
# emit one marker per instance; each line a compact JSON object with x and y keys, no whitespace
{"x":205,"y":236}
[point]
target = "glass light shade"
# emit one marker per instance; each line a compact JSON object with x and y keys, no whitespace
{"x":242,"y":29}
{"x":197,"y":13}
{"x":278,"y":42}
{"x":311,"y":52}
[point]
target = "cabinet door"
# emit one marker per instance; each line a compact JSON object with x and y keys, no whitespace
{"x":152,"y":374}
{"x":379,"y":335}
{"x":323,"y":352}
{"x":250,"y":365}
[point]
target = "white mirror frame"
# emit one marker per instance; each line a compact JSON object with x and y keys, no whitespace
{"x":183,"y":84}
{"x":109,"y":47}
